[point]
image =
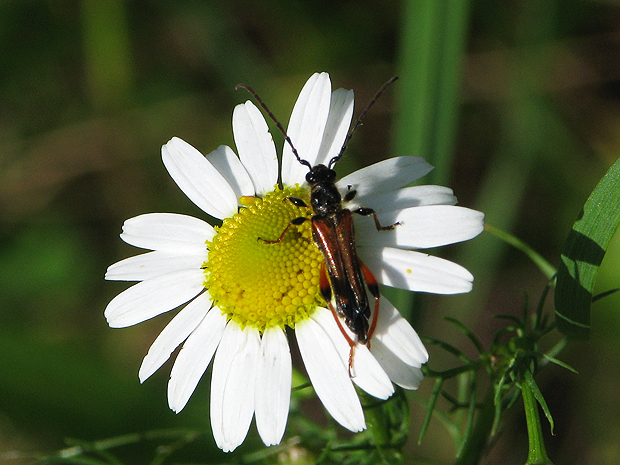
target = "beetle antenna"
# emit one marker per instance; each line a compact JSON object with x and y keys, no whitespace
{"x":275,"y":120}
{"x":358,"y":122}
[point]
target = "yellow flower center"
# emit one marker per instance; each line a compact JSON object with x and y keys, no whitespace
{"x":264,"y":284}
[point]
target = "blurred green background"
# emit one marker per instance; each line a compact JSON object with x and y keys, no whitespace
{"x":517,"y":103}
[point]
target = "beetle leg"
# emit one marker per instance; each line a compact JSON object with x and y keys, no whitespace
{"x":297,"y":202}
{"x":369,"y":211}
{"x":350,"y":195}
{"x":295,"y":222}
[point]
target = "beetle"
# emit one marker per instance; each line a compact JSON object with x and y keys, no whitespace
{"x":344,"y":279}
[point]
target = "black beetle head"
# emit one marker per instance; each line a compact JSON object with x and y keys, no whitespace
{"x":320,"y":174}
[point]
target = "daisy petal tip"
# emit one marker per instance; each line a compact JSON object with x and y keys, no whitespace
{"x":271,"y":441}
{"x":177,"y":395}
{"x":388,"y":393}
{"x":359,"y":427}
{"x":177,"y":142}
{"x":112,"y":317}
{"x":228,"y":447}
{"x":145,"y":372}
{"x":117,"y":322}
{"x":175,"y":405}
{"x":174,"y":144}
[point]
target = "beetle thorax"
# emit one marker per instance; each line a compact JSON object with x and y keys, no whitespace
{"x":324,"y":196}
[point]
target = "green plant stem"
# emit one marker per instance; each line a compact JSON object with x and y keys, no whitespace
{"x":474,"y":447}
{"x":542,"y":264}
{"x":537,"y":454}
{"x":186,"y":435}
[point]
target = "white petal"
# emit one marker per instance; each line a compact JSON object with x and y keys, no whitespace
{"x":416,"y":271}
{"x":230,"y":167}
{"x":406,"y":376}
{"x":152,"y":297}
{"x":366,"y":371}
{"x":273,"y":386}
{"x":306,"y":128}
{"x":337,"y":127}
{"x":422,"y":227}
{"x":198,"y":179}
{"x":232,"y":385}
{"x":175,"y":332}
{"x":414,"y":196}
{"x":169,"y":232}
{"x":329,"y":375}
{"x":255,"y":146}
{"x":194,"y":358}
{"x":398,"y":336}
{"x":152,"y":264}
{"x":370,"y":375}
{"x":385,"y":176}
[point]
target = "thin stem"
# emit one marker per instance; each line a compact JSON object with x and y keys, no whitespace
{"x":187,"y":435}
{"x":542,"y":264}
{"x":537,"y":454}
{"x":475,"y":445}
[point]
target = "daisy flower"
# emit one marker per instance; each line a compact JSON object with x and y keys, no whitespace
{"x":238,"y":291}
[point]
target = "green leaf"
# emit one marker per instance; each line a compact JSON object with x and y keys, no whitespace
{"x":537,"y":455}
{"x":429,"y":410}
{"x":432,"y":49}
{"x":560,"y":363}
{"x":469,"y":424}
{"x":529,"y":378}
{"x":465,"y":330}
{"x":583,"y":253}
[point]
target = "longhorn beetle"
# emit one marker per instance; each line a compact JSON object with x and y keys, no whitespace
{"x":343,"y":276}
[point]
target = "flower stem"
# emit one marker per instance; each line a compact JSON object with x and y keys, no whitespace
{"x":475,"y":445}
{"x":537,"y":454}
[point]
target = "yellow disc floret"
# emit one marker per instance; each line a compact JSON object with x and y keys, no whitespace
{"x":261,"y":283}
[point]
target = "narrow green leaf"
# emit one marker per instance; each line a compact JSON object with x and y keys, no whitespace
{"x":602,"y":295}
{"x":583,"y":253}
{"x":543,"y":265}
{"x":529,"y":379}
{"x":540,"y":320}
{"x":448,"y":348}
{"x":537,"y":455}
{"x":434,"y":37}
{"x":465,"y":330}
{"x":560,"y":363}
{"x":429,"y":410}
{"x":497,"y":395}
{"x":469,"y":424}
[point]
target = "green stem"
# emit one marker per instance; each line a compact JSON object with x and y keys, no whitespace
{"x":542,"y":264}
{"x":101,"y":445}
{"x":475,"y":445}
{"x":537,"y":454}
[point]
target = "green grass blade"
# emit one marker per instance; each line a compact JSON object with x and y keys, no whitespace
{"x":432,"y":44}
{"x":583,"y":253}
